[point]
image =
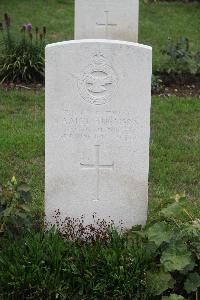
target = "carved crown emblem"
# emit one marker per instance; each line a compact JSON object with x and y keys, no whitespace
{"x":98,"y":81}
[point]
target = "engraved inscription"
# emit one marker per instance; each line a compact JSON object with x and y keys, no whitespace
{"x":97,"y":167}
{"x":107,"y":24}
{"x":99,"y":126}
{"x":98,"y":82}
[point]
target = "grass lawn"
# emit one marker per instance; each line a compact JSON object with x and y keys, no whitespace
{"x":158,"y":21}
{"x":22,"y":140}
{"x":174,"y":157}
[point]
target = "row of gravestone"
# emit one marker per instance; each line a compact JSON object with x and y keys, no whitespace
{"x":98,"y":98}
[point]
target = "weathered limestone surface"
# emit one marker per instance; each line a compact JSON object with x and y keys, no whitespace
{"x":98,"y":97}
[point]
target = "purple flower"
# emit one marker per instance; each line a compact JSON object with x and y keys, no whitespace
{"x":29,"y":26}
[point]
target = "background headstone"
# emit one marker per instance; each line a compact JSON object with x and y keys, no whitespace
{"x":107,"y":19}
{"x":98,"y":96}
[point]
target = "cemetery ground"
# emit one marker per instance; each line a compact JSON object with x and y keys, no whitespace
{"x":174,"y":146}
{"x":39,"y":265}
{"x":35,"y":265}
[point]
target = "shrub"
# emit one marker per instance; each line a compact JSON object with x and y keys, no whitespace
{"x":177,"y":239}
{"x":22,"y":57}
{"x":180,"y":62}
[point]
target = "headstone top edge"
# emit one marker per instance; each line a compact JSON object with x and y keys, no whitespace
{"x":104,"y":41}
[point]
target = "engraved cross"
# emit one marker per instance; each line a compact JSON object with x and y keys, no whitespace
{"x":97,"y":166}
{"x":106,"y":24}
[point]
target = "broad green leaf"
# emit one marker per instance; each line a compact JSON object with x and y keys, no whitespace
{"x":192,"y":283}
{"x":176,"y":256}
{"x":159,"y":233}
{"x":188,"y":268}
{"x":159,"y":282}
{"x":175,"y":209}
{"x":191,"y":230}
{"x":173,"y":297}
{"x":8,"y":211}
{"x":182,"y":200}
{"x":196,"y":248}
{"x":172,"y":210}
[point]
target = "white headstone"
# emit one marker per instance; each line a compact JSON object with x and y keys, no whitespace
{"x":98,"y":97}
{"x":107,"y":19}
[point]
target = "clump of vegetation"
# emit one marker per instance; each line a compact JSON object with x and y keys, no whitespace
{"x":176,"y":237}
{"x":14,"y":210}
{"x":181,"y":63}
{"x":69,"y":261}
{"x":43,"y":265}
{"x":75,"y":229}
{"x":22,"y":56}
{"x":156,"y":84}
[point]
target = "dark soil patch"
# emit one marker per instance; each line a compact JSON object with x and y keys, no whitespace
{"x":178,"y":89}
{"x":187,"y":85}
{"x":182,"y":90}
{"x":21,"y":86}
